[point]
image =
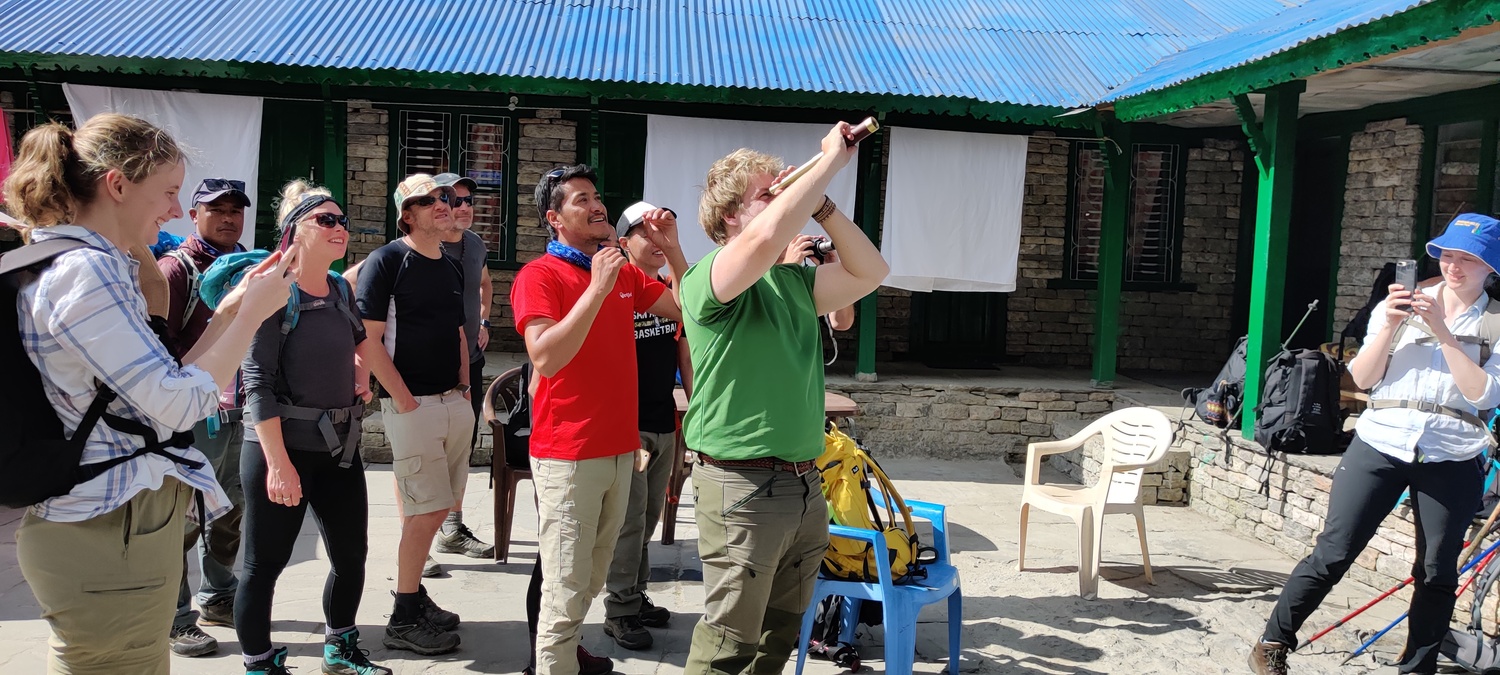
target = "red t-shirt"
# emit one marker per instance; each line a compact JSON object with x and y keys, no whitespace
{"x":589,"y":408}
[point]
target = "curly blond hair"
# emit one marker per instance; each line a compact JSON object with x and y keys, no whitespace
{"x":725,"y":186}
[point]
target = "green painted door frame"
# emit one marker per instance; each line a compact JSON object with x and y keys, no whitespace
{"x":1117,"y":147}
{"x":867,"y":214}
{"x":1274,"y":141}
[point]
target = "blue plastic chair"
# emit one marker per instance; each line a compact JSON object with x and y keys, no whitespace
{"x":900,"y":602}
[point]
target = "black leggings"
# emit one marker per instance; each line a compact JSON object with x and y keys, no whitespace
{"x":340,"y":506}
{"x":1366,"y":486}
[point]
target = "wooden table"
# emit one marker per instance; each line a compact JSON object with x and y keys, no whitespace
{"x":835,"y":406}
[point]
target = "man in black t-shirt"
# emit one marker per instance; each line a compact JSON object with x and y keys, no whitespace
{"x":660,"y":352}
{"x":411,"y":299}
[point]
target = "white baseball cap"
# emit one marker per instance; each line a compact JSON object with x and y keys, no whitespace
{"x":633,"y":216}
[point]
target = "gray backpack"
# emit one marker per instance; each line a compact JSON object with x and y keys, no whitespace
{"x":1469,"y":646}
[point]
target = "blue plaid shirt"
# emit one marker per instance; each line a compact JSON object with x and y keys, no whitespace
{"x":83,"y":321}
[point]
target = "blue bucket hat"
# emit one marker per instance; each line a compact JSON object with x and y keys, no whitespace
{"x":1472,"y":233}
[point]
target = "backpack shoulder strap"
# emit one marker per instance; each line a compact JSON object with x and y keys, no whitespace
{"x":194,"y":279}
{"x":1489,"y":330}
{"x":38,"y":253}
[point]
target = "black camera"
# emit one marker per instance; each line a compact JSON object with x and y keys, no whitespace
{"x":822,"y":246}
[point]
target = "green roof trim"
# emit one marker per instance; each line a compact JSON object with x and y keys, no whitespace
{"x":502,"y":84}
{"x":1435,"y":21}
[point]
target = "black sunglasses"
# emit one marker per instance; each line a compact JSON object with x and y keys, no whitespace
{"x":460,"y":201}
{"x":329,"y":220}
{"x":428,"y":200}
{"x":217,"y":184}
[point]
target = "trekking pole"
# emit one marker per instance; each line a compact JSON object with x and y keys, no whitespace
{"x":1467,"y":553}
{"x":1488,"y":553}
{"x":1311,"y":306}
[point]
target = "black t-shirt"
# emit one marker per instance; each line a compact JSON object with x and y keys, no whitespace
{"x":656,"y":371}
{"x":420,"y":299}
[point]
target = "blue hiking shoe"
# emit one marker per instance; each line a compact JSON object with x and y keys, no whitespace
{"x":342,"y":656}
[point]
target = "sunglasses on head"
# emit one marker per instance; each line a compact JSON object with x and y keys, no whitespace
{"x":428,"y":200}
{"x":217,"y":184}
{"x":329,"y":220}
{"x":462,"y":201}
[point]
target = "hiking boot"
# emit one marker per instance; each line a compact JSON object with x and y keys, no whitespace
{"x":218,"y":612}
{"x":463,"y":541}
{"x":1268,"y":658}
{"x":439,"y":617}
{"x":190,"y":640}
{"x":421,"y":637}
{"x":628,"y":632}
{"x":431,"y":569}
{"x":276,"y":665}
{"x":653,"y":616}
{"x":588,"y":664}
{"x":342,"y":656}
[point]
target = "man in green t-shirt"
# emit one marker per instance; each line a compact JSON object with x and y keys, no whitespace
{"x":756,"y":412}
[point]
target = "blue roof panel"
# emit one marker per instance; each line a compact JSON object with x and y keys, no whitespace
{"x":1032,"y":52}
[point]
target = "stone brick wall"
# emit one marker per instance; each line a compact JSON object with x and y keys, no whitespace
{"x":1159,"y":330}
{"x":1380,"y":208}
{"x":367,"y":177}
{"x":898,"y":420}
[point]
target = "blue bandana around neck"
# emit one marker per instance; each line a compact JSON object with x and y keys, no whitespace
{"x":570,"y":254}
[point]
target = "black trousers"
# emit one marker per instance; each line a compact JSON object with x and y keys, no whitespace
{"x":476,"y":396}
{"x":534,"y":607}
{"x":340,"y":506}
{"x":1366,"y":486}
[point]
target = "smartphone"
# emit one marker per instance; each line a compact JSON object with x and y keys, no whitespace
{"x":1406,"y":276}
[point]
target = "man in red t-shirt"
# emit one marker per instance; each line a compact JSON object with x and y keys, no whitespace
{"x":576,"y":308}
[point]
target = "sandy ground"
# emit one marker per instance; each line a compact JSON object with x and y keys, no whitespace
{"x":1213,"y":591}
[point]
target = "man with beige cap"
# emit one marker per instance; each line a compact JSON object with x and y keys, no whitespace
{"x":410,"y":296}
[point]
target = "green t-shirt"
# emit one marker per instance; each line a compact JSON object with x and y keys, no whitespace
{"x":757,"y":366}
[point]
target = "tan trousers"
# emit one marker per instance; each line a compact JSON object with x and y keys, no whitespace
{"x":108,"y":585}
{"x":582,"y":507}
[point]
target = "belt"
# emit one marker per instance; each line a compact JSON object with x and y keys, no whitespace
{"x":231,"y":416}
{"x":771,"y":463}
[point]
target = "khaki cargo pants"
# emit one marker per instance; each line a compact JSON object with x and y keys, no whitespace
{"x":108,"y":585}
{"x":761,"y":536}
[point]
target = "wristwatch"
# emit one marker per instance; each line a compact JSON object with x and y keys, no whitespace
{"x":484,"y":322}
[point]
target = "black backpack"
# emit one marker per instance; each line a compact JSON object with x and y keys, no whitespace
{"x":1219,"y":403}
{"x":1299,"y":409}
{"x":516,"y":423}
{"x":1469,"y":646}
{"x":38,"y":460}
{"x":828,"y":619}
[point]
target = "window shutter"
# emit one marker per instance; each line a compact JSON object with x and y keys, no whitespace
{"x":483,"y":153}
{"x":424,"y":143}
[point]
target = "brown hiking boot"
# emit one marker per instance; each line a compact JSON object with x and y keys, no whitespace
{"x":1268,"y":658}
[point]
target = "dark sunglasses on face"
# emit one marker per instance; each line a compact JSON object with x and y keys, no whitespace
{"x":329,"y":220}
{"x":463,"y":201}
{"x":428,"y":200}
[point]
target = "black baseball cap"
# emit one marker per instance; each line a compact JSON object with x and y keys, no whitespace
{"x":213,"y":188}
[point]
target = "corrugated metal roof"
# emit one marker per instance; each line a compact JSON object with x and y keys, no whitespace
{"x":1033,"y":52}
{"x":1261,"y":39}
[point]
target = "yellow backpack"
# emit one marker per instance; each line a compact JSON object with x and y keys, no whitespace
{"x":847,"y":475}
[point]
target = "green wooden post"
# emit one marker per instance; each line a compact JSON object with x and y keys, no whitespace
{"x":868,"y":210}
{"x":1118,"y":151}
{"x":335,"y":149}
{"x":1275,"y":158}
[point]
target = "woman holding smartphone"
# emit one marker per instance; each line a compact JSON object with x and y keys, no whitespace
{"x":1421,"y":363}
{"x":302,"y":413}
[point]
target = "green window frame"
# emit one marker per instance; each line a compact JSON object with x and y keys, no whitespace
{"x":1458,"y":173}
{"x":478,"y":143}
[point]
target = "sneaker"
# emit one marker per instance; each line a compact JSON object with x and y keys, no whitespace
{"x":1268,"y":658}
{"x":628,"y":632}
{"x":421,"y":637}
{"x":463,"y":541}
{"x":588,"y":664}
{"x":276,"y":665}
{"x":431,"y":569}
{"x":342,"y":656}
{"x":439,"y":617}
{"x":653,"y":616}
{"x":218,"y":612}
{"x":190,"y":640}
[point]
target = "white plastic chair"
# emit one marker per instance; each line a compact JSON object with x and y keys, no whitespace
{"x":1134,"y":438}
